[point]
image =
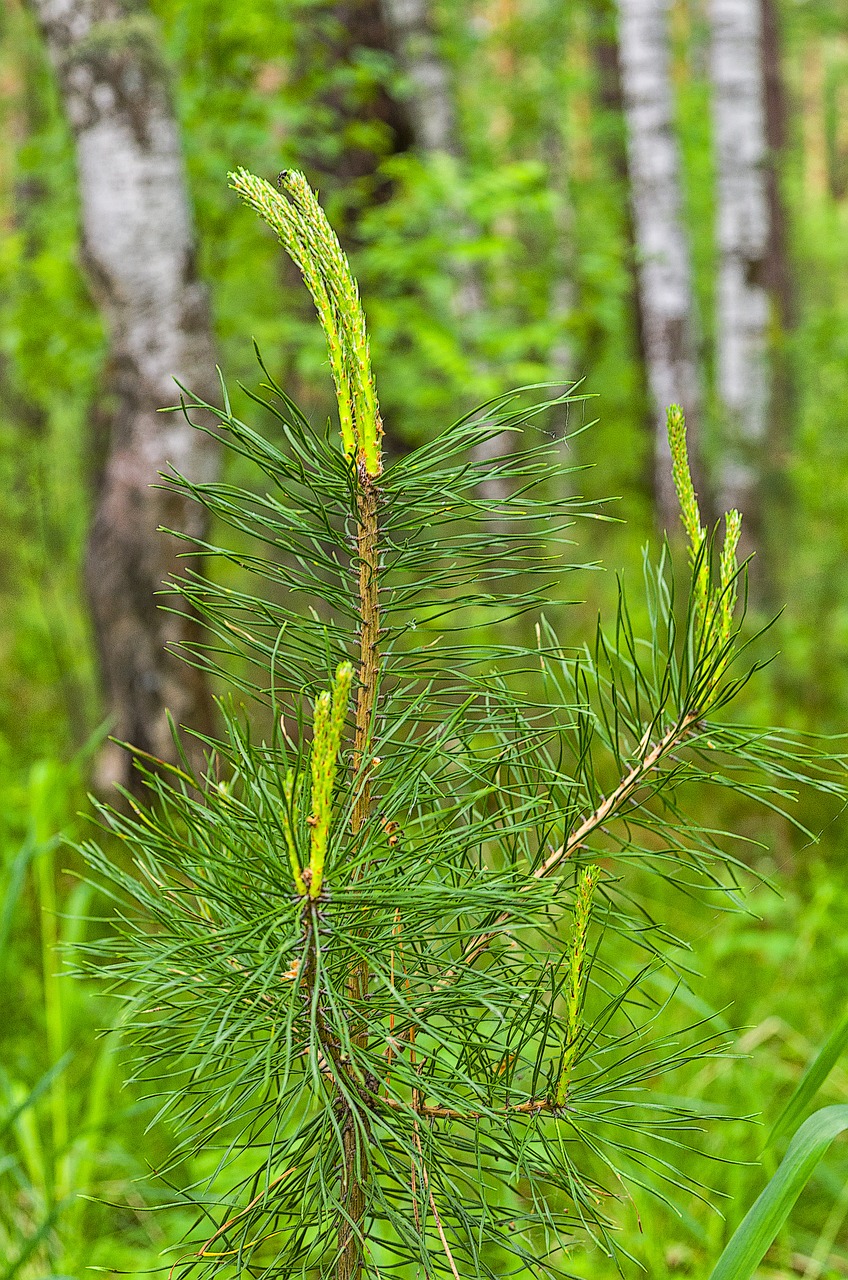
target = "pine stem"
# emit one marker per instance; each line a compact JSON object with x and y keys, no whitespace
{"x":353,"y":1194}
{"x":369,"y":639}
{"x":367,"y":544}
{"x":301,"y":224}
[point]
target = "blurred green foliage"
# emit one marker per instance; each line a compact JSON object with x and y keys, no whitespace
{"x":538,"y":192}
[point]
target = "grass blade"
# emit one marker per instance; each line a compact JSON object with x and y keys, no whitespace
{"x":811,"y":1081}
{"x":759,"y":1227}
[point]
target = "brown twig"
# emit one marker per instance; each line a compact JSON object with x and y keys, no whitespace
{"x":202,"y":1253}
{"x":530,"y":1107}
{"x":608,"y":808}
{"x":367,"y":545}
{"x":425,"y":1178}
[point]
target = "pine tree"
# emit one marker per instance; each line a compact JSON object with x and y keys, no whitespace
{"x":388,"y":966}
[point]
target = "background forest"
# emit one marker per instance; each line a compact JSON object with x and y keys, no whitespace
{"x":648,"y":197}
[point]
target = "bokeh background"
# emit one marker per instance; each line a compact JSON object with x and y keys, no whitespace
{"x":649,"y":197}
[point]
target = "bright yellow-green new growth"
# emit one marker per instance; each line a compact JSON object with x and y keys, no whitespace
{"x":345,"y":292}
{"x":727,"y":574}
{"x":302,"y":226}
{"x":288,"y":828}
{"x":294,"y":237}
{"x":713,"y":614}
{"x":576,"y":978}
{"x":690,"y":512}
{"x":328,"y":726}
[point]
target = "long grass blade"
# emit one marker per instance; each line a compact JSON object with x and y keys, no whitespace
{"x":760,"y":1226}
{"x":811,"y":1081}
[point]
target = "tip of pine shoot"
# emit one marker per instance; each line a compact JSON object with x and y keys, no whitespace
{"x":293,"y":211}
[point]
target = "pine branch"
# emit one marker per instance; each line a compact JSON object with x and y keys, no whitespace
{"x":529,"y":1107}
{"x":609,"y":808}
{"x":290,"y":955}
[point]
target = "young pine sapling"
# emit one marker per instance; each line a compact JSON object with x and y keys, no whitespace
{"x":389,"y":964}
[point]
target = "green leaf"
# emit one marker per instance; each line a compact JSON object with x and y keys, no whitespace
{"x":812,"y":1080}
{"x":770,"y":1210}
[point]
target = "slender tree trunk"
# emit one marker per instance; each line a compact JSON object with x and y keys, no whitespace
{"x":742,"y":233}
{"x":778,"y":511}
{"x":557,"y":152}
{"x":432,"y":106}
{"x":610,"y":97}
{"x":666,"y":298}
{"x":431,"y":101}
{"x":138,"y":248}
{"x":813,"y":123}
{"x":328,"y":70}
{"x":432,"y":112}
{"x":836,"y":112}
{"x":779,"y":277}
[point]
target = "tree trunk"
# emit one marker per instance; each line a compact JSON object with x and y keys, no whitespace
{"x":779,"y":277}
{"x":610,"y":98}
{"x":666,"y":298}
{"x":742,"y":234}
{"x":431,"y":102}
{"x":432,"y":113}
{"x":138,"y":248}
{"x":434,"y":121}
{"x":778,"y":511}
{"x":328,"y":72}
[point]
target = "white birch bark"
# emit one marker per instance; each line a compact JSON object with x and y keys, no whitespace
{"x":666,"y":297}
{"x":433,"y":113}
{"x":431,"y":101}
{"x":138,"y":248}
{"x":742,"y":232}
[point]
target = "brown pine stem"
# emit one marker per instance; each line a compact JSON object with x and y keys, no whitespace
{"x":367,"y":546}
{"x":338,"y":1067}
{"x":369,"y":638}
{"x":530,"y":1107}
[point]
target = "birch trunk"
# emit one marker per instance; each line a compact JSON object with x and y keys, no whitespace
{"x":739,"y":123}
{"x":666,"y":301}
{"x":138,"y":249}
{"x":434,"y":121}
{"x":606,"y":57}
{"x":431,"y":102}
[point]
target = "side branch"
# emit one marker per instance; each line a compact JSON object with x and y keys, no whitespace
{"x":608,"y":808}
{"x":530,"y":1107}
